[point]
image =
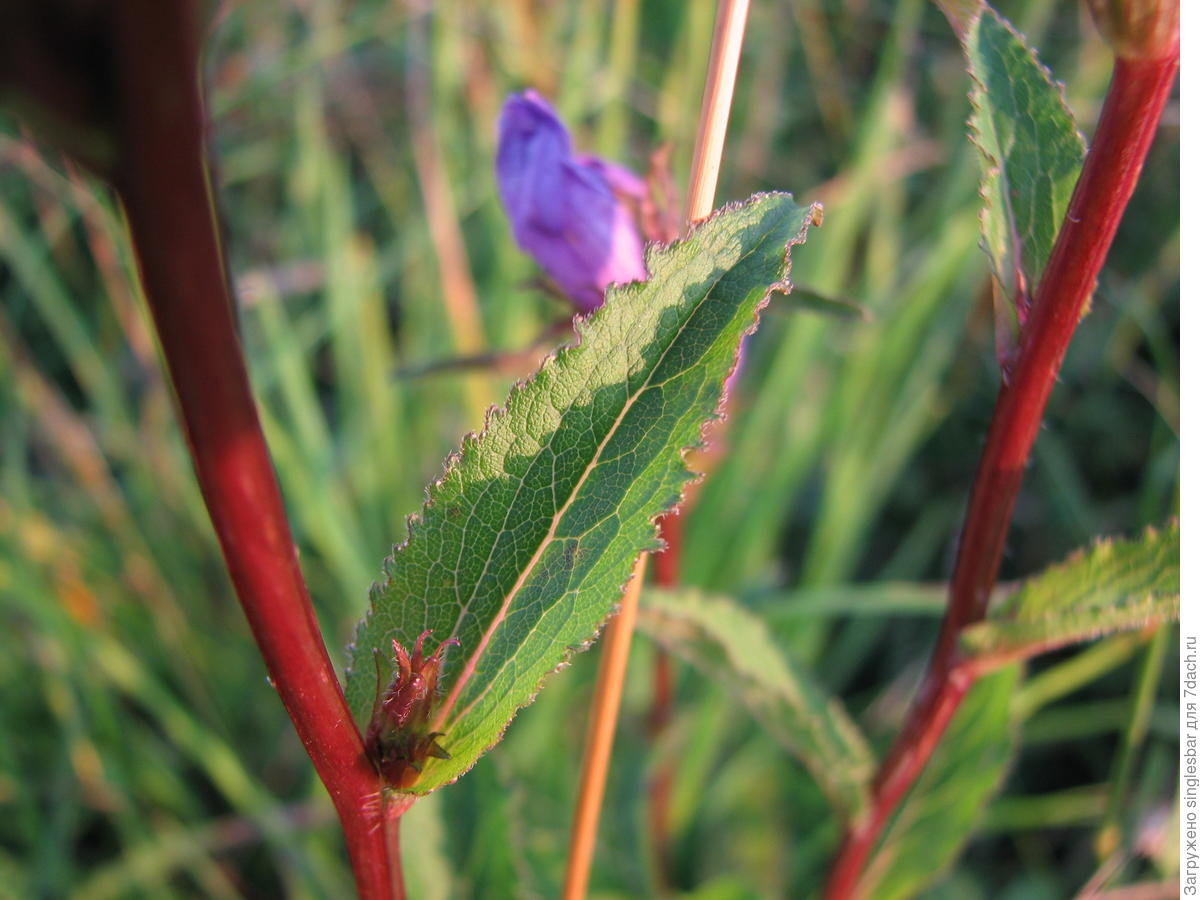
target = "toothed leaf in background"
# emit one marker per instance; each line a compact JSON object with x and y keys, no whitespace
{"x":733,"y":646}
{"x":1030,"y":146}
{"x":1115,"y":585}
{"x":526,"y":540}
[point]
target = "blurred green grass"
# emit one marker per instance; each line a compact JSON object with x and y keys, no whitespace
{"x":144,"y":754}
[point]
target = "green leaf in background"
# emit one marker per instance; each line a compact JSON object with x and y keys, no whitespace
{"x":733,"y":646}
{"x":805,"y":299}
{"x":799,"y":607}
{"x":488,"y":855}
{"x":1116,"y":585}
{"x":427,"y":870}
{"x":527,"y":538}
{"x":948,"y":800}
{"x":1032,"y":150}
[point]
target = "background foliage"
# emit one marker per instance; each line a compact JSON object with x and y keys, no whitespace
{"x":145,"y":754}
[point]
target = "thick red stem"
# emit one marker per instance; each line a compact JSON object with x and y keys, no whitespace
{"x":163,"y":182}
{"x":1128,"y":122}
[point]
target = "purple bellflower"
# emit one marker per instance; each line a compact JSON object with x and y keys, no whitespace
{"x":569,"y":212}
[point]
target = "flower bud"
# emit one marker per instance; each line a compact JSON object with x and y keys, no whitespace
{"x":1138,"y":29}
{"x":568,"y":212}
{"x":398,"y":740}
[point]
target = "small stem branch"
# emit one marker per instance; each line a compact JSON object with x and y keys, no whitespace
{"x":163,"y":181}
{"x":603,"y":725}
{"x":1127,"y":126}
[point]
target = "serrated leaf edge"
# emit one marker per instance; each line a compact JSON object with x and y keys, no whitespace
{"x":974,"y":135}
{"x":671,"y":621}
{"x":580,"y":327}
{"x":1144,"y":609}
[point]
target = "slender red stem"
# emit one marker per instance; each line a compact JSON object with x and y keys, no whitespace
{"x":658,"y":793}
{"x":1128,"y":122}
{"x":162,"y":179}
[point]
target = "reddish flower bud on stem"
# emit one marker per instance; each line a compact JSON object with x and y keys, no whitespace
{"x":398,"y":739}
{"x":1138,"y":29}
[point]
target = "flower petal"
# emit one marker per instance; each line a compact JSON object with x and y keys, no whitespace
{"x":565,"y":210}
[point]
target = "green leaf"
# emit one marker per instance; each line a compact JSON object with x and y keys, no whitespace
{"x":1031,"y":148}
{"x":946,"y":804}
{"x":862,"y":599}
{"x":733,"y":646}
{"x":428,"y":872}
{"x":805,"y":299}
{"x":526,"y":539}
{"x":1116,"y":585}
{"x":490,"y":854}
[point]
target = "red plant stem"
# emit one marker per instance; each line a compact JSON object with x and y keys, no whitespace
{"x":658,"y":793}
{"x":666,"y":575}
{"x":163,"y":182}
{"x":1132,"y":109}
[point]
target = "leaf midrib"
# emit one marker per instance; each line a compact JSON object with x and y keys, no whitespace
{"x":469,"y":668}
